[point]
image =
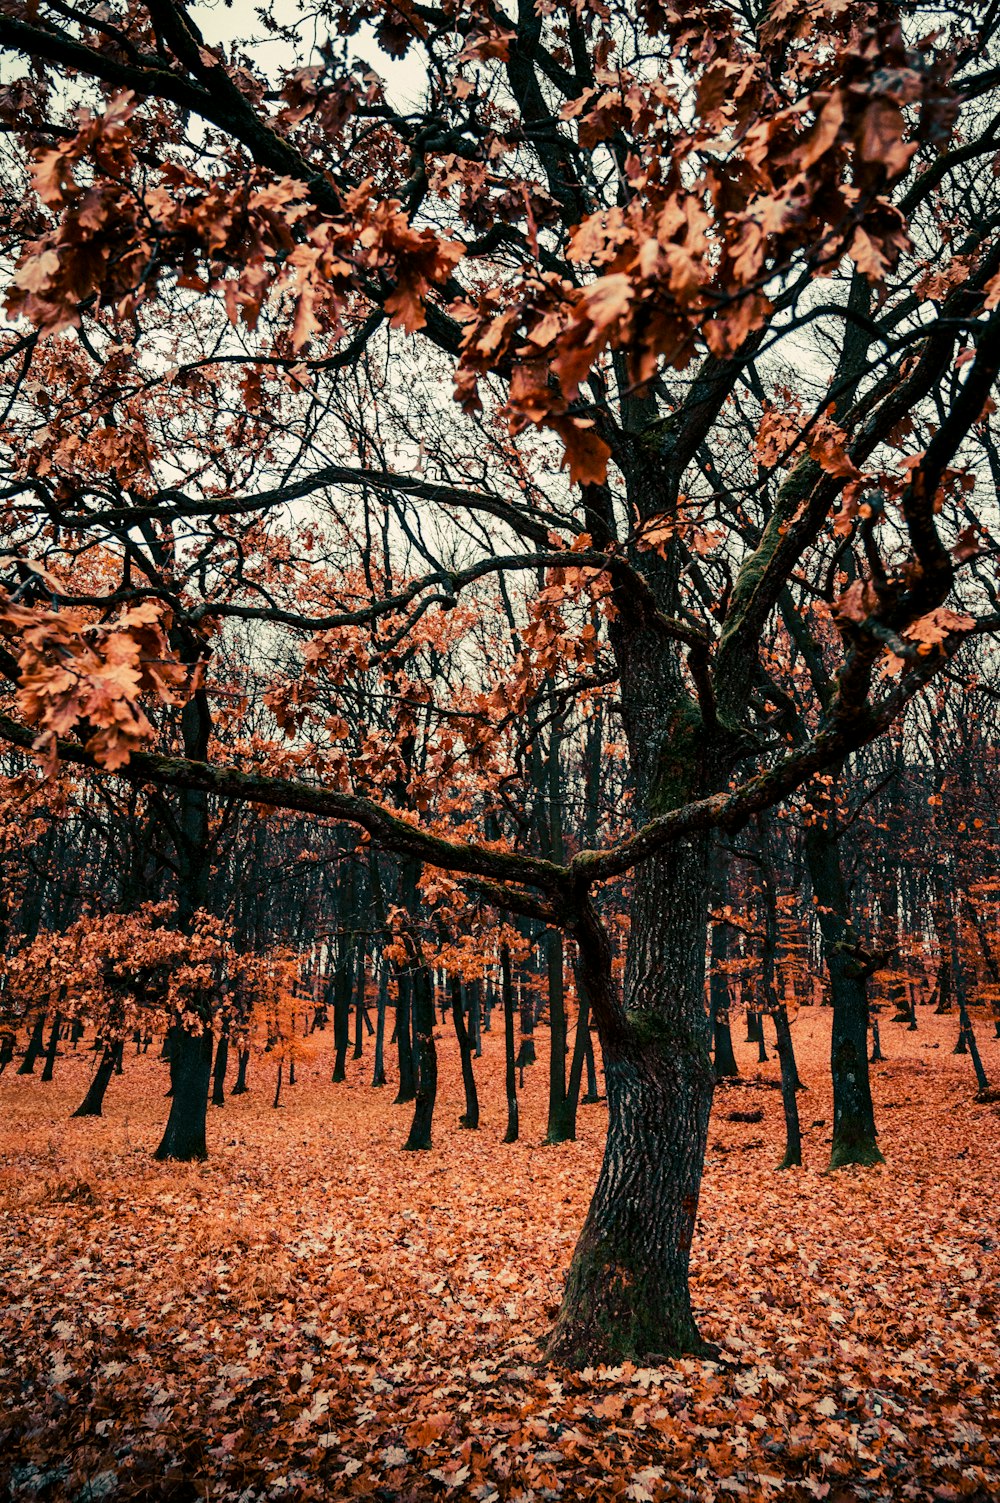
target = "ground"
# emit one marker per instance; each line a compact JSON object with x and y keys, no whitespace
{"x":315,"y":1314}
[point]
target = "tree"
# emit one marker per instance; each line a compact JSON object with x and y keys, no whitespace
{"x":705,"y":262}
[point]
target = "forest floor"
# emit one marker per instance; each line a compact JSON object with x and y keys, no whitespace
{"x":314,"y":1313}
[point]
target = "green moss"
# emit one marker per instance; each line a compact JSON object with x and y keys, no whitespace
{"x":649,"y":1028}
{"x":613,"y":1312}
{"x":793,"y":492}
{"x":656,"y":433}
{"x":675,"y":782}
{"x":865,"y":1153}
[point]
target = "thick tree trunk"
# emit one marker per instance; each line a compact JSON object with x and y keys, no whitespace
{"x":854,"y":1134}
{"x":627,"y":1293}
{"x":92,"y":1104}
{"x":191,"y":1069}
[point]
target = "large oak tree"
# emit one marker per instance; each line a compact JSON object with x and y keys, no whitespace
{"x":716,"y":286}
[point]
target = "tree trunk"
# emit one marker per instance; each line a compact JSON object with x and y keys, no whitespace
{"x":726,"y":1067}
{"x":359,"y":1024}
{"x":241,"y":1087}
{"x":966,"y":1034}
{"x":342,"y":1010}
{"x":789,"y":1088}
{"x":53,"y":1048}
{"x":219,"y":1072}
{"x":378,"y":1072}
{"x":854,"y":1134}
{"x":470,"y":1117}
{"x":560,"y":1128}
{"x":510,"y":1061}
{"x":592,"y":1095}
{"x":627,"y":1294}
{"x":876,"y":1057}
{"x":404,"y":1046}
{"x":191,"y":1068}
{"x":36,"y":1045}
{"x":526,"y":1054}
{"x":426,"y":1092}
{"x":474,"y":995}
{"x":92,"y":1104}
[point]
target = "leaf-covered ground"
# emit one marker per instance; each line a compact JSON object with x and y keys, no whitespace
{"x":316,"y":1314}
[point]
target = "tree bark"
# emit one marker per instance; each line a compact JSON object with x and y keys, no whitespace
{"x":378,"y":1071}
{"x":510,"y":1059}
{"x":241,"y":1087}
{"x":92,"y":1104}
{"x":470,"y":1117}
{"x":789,"y":1088}
{"x":426,"y":1051}
{"x":219,"y":1070}
{"x":407,"y":1080}
{"x":560,"y":1128}
{"x":36,"y":1045}
{"x":855,"y":1140}
{"x":191,"y":1068}
{"x":627,"y":1294}
{"x":53,"y":1048}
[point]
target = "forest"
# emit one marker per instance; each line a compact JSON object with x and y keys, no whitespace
{"x":499,"y":750}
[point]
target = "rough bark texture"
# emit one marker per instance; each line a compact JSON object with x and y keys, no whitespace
{"x":627,"y":1294}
